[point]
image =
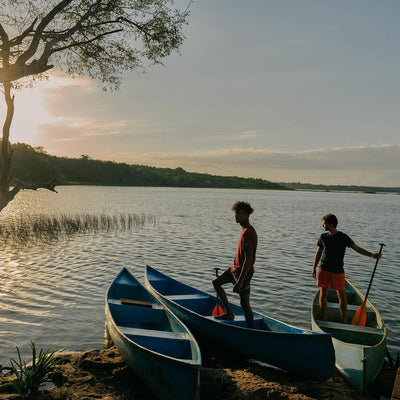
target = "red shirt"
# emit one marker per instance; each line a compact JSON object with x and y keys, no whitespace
{"x":248,"y":238}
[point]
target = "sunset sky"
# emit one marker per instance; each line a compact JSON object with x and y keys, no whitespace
{"x":284,"y":90}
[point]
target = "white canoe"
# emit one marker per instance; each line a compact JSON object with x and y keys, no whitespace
{"x":359,"y":351}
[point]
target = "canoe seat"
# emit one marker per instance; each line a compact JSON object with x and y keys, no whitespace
{"x":347,"y":327}
{"x":350,"y":307}
{"x":133,"y":316}
{"x":134,"y":302}
{"x":171,"y":344}
{"x":357,"y":335}
{"x":350,"y":294}
{"x":153,"y":333}
{"x":197,"y":302}
{"x":334,"y":314}
{"x":240,"y":320}
{"x":118,"y":301}
{"x":237,"y":318}
{"x":190,"y":296}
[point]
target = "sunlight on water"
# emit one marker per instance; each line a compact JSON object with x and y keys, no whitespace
{"x":53,"y":294}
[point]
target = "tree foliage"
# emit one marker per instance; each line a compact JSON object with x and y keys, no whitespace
{"x":96,"y":38}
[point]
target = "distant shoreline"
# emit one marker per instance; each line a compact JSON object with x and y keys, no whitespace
{"x":333,"y":189}
{"x":34,"y":165}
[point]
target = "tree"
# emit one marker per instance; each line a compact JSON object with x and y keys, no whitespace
{"x":96,"y":38}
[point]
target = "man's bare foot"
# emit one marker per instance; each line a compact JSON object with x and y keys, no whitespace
{"x":226,"y":317}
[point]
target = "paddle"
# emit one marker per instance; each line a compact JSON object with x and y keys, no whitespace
{"x":217,"y":309}
{"x":360,"y":317}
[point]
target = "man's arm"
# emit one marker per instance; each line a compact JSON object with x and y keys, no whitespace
{"x":317,"y":257}
{"x":364,"y":252}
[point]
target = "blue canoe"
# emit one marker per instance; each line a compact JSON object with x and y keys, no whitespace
{"x":360,"y":350}
{"x":152,"y":341}
{"x":302,"y":352}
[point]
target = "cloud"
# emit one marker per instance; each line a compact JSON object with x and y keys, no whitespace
{"x":345,"y":158}
{"x":250,"y":134}
{"x":361,"y":165}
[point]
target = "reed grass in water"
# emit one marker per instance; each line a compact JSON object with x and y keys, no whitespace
{"x":42,"y":229}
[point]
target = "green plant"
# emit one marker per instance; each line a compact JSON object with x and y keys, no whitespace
{"x":30,"y":376}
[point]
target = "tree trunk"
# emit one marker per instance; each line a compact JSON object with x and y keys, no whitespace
{"x":6,"y":179}
{"x":5,"y":194}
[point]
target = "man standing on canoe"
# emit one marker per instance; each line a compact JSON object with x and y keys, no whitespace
{"x":242,"y":269}
{"x":331,"y":248}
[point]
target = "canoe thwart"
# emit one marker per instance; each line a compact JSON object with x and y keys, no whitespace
{"x":133,"y":302}
{"x":350,"y":307}
{"x":190,"y":296}
{"x":347,"y":327}
{"x":152,"y":333}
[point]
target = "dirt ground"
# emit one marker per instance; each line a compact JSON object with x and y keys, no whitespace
{"x":102,"y":374}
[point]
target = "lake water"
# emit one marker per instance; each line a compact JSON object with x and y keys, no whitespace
{"x":53,"y":294}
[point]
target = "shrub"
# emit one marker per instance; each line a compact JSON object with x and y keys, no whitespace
{"x":31,"y":376}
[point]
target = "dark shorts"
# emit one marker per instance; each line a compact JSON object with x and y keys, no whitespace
{"x":326,"y":278}
{"x":246,"y":283}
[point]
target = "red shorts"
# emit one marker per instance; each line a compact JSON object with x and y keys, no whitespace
{"x":326,"y":278}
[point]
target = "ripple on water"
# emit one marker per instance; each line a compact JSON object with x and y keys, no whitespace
{"x":54,"y":294}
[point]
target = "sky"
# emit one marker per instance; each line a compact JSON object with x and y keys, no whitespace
{"x":284,"y":90}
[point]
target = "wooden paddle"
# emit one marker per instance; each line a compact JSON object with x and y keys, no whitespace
{"x":360,"y":317}
{"x":217,"y":309}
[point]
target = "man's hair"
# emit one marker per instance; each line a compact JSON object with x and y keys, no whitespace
{"x":330,"y":219}
{"x":242,"y":205}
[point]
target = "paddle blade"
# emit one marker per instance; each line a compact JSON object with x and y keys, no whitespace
{"x":217,"y":311}
{"x":360,"y":317}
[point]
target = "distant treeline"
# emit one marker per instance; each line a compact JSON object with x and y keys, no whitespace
{"x":341,"y":188}
{"x":33,"y":165}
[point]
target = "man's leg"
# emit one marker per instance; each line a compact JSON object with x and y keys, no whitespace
{"x":248,"y":312}
{"x":323,"y":299}
{"x":342,"y":304}
{"x":224,"y":278}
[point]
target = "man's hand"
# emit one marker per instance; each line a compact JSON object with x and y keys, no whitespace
{"x":317,"y":257}
{"x":237,"y":286}
{"x":314,"y":272}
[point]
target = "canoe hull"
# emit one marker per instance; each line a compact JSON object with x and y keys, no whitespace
{"x":295,"y":350}
{"x":359,"y":351}
{"x":167,"y":376}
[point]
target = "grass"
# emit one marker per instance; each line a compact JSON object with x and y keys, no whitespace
{"x":42,"y":229}
{"x":30,"y":376}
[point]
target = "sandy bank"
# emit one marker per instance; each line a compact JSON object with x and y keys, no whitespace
{"x":102,"y":374}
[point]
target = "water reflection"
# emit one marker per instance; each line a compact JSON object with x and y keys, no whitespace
{"x":53,"y":293}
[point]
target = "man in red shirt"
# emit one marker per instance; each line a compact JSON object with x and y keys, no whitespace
{"x":242,"y":269}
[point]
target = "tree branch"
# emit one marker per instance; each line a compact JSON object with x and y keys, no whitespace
{"x":21,"y":71}
{"x":19,"y":39}
{"x":49,"y":186}
{"x":26,"y":55}
{"x":77,"y":44}
{"x":77,"y":27}
{"x":8,"y":196}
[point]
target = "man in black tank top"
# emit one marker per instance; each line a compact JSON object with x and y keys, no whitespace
{"x":331,"y":249}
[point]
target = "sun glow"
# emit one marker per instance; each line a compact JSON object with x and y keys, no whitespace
{"x":30,"y":110}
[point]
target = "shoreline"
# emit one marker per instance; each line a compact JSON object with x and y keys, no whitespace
{"x":102,"y":374}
